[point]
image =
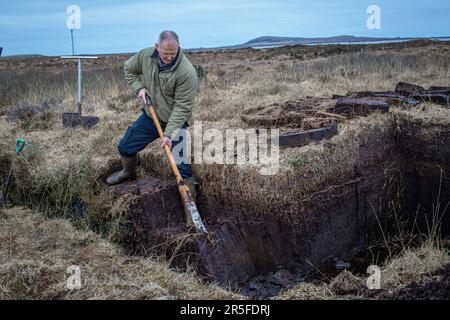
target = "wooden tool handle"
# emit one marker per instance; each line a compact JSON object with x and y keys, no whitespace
{"x":166,"y":147}
{"x":191,"y":211}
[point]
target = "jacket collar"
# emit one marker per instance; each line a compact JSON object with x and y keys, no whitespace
{"x":178,"y":58}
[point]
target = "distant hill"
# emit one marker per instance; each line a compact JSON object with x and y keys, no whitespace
{"x":268,"y":40}
{"x":22,"y":56}
{"x":271,"y":41}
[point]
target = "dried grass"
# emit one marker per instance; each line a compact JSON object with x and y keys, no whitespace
{"x":409,"y":266}
{"x":37,"y":251}
{"x":412,"y":263}
{"x":60,"y":166}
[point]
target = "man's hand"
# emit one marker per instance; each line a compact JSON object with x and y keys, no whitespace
{"x":142,"y":93}
{"x":166,"y":141}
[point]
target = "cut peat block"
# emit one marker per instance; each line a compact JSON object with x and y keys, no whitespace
{"x":438,"y":95}
{"x":442,"y":90}
{"x":438,"y":98}
{"x":156,"y":203}
{"x":154,"y":224}
{"x":389,"y":97}
{"x":408,"y":89}
{"x":298,"y":139}
{"x":360,"y":107}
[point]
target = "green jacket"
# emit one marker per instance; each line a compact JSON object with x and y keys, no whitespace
{"x":172,"y":91}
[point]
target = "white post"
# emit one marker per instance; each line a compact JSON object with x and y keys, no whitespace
{"x":73,"y":47}
{"x":80,"y":78}
{"x":80,"y":88}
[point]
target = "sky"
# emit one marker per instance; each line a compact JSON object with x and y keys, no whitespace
{"x":113,"y":26}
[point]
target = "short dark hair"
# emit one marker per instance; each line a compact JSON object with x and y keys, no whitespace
{"x":168,"y":35}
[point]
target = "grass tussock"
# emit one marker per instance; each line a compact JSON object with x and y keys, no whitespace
{"x":409,"y":266}
{"x":37,"y":251}
{"x":316,"y":166}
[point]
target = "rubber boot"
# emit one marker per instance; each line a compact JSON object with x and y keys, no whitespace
{"x":128,"y":171}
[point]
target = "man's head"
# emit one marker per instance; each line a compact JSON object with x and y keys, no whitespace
{"x":167,"y":46}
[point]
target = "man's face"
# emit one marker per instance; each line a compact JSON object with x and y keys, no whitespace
{"x":167,"y":51}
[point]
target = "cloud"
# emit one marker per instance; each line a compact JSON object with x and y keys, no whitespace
{"x":113,"y":25}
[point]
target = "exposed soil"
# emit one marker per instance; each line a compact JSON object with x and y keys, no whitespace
{"x":274,"y":283}
{"x":264,"y":255}
{"x":307,"y":113}
{"x":238,"y":246}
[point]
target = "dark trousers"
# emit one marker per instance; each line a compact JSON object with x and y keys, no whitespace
{"x":142,"y":132}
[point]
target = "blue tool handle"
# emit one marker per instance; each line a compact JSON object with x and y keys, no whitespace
{"x":20,"y":144}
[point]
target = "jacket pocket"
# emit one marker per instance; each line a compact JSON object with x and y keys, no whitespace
{"x":168,"y":86}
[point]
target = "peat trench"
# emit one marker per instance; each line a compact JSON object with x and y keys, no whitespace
{"x":261,"y":255}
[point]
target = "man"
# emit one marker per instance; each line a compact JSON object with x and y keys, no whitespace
{"x":165,"y":74}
